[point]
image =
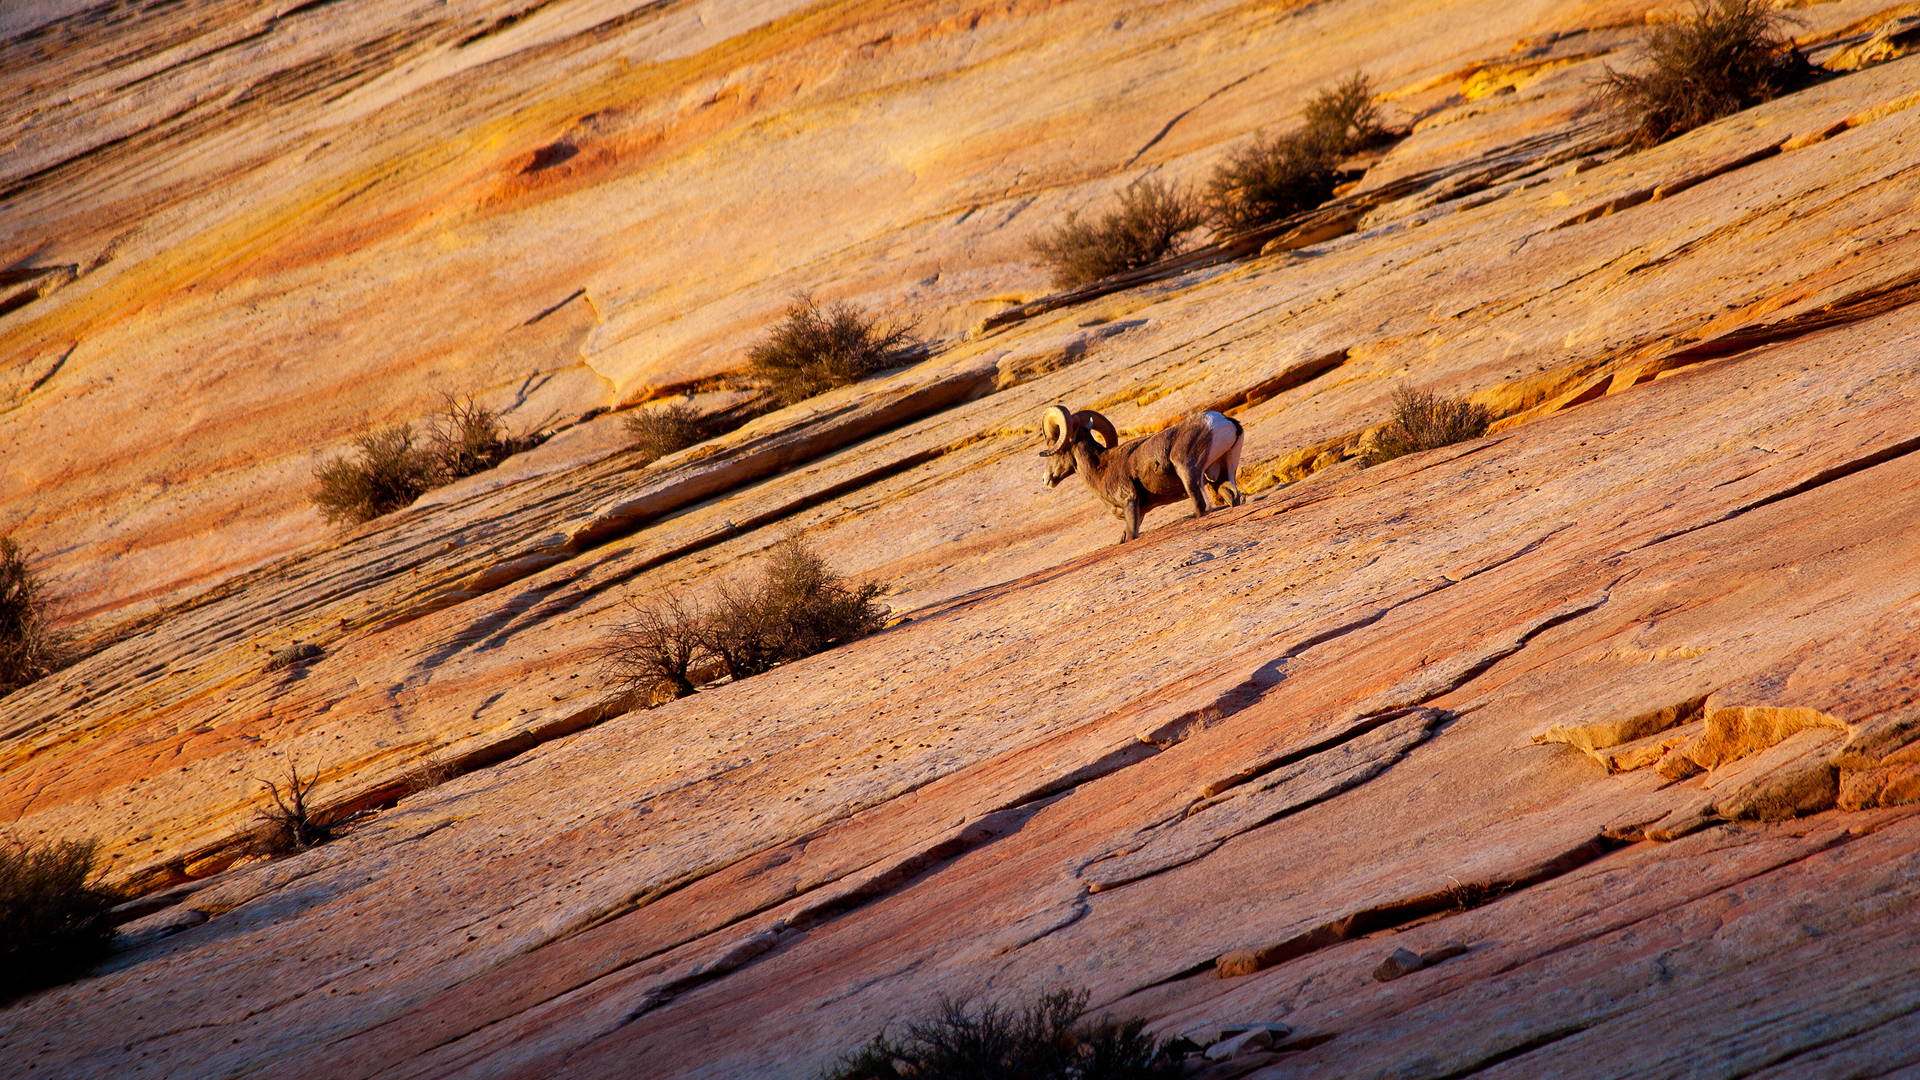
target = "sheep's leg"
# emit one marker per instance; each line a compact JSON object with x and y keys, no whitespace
{"x":1130,"y":514}
{"x":1223,"y":466}
{"x":1216,"y":489}
{"x":1192,"y":478}
{"x":1224,"y":485}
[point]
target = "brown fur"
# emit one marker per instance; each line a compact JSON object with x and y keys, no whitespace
{"x":1134,"y":477}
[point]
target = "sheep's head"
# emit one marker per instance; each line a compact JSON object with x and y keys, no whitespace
{"x":1060,"y":429}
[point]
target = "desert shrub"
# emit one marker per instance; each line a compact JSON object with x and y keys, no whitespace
{"x":1275,"y":177}
{"x":390,"y":472}
{"x":1345,"y":117}
{"x":1473,"y":894}
{"x":429,"y":775}
{"x":53,"y":923}
{"x":1152,"y":217}
{"x":1043,"y":1041}
{"x":669,"y":429}
{"x":657,"y":651}
{"x":814,"y":349}
{"x":468,"y":438}
{"x":27,"y":647}
{"x":292,"y":824}
{"x":1270,"y":179}
{"x":394,"y":466}
{"x":1423,"y":420}
{"x":797,"y":607}
{"x":1726,"y":56}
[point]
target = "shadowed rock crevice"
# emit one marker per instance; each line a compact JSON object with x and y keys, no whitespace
{"x":1400,"y":912}
{"x":756,"y":934}
{"x":1517,"y":1050}
{"x":1362,"y":752}
{"x":1667,"y":188}
{"x":1451,"y":674}
{"x":733,"y":469}
{"x":1297,"y":375}
{"x":849,"y":894}
{"x":1822,"y":478}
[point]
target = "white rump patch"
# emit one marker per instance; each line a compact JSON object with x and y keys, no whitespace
{"x":1224,"y":432}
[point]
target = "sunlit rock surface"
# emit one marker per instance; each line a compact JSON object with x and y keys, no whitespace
{"x":1621,"y":697}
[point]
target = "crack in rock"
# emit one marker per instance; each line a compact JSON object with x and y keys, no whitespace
{"x":1398,"y":912}
{"x":1314,"y":779}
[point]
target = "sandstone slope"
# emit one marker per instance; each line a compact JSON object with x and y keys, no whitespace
{"x":1620,"y":696}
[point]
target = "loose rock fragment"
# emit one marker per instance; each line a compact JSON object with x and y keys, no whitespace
{"x":1682,"y":822}
{"x":1448,"y":951}
{"x":1255,"y":1038}
{"x":1606,"y":741}
{"x":1398,"y":962}
{"x":1794,"y":778}
{"x":1895,"y":39}
{"x":1733,"y":733}
{"x":1885,"y":785}
{"x":1648,"y":751}
{"x":1237,"y":963}
{"x":1882,"y":739}
{"x":1676,"y":765}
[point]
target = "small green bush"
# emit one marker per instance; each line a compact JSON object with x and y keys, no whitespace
{"x":814,"y":349}
{"x":1043,"y":1041}
{"x":53,"y":923}
{"x":395,"y":466}
{"x":28,"y":649}
{"x":1152,"y":217}
{"x":797,"y":607}
{"x":1276,"y":177}
{"x":669,"y":429}
{"x":1728,"y":55}
{"x":1422,"y":420}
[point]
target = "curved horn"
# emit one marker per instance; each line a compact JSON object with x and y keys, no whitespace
{"x":1056,"y":427}
{"x":1100,"y":424}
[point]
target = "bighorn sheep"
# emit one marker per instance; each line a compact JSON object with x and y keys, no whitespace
{"x":1135,"y":477}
